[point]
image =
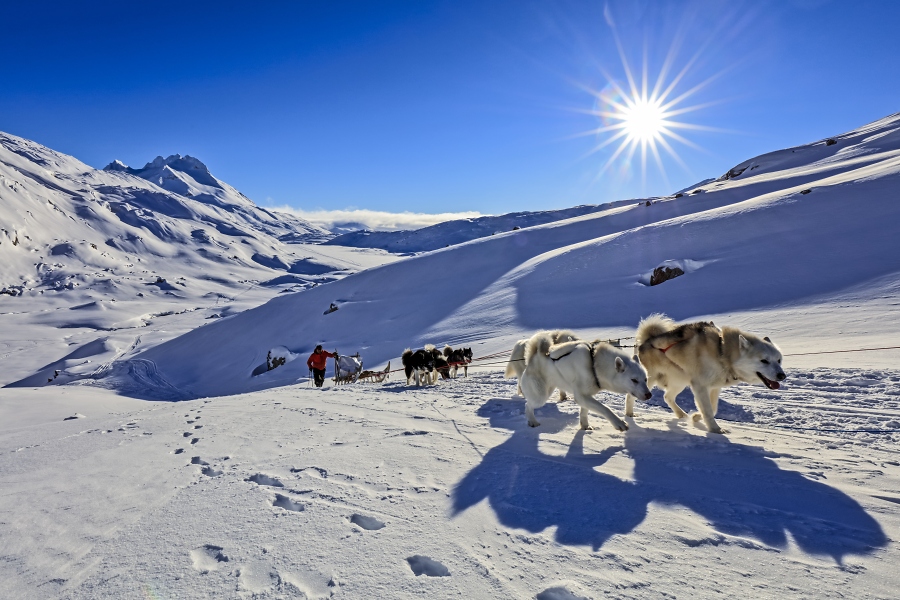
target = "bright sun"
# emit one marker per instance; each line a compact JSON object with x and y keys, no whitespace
{"x":643,"y":120}
{"x":640,"y":114}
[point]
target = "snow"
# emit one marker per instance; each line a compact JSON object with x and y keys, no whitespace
{"x":256,"y":485}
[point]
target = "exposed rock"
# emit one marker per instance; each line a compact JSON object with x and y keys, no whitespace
{"x":830,"y":142}
{"x":661,"y":274}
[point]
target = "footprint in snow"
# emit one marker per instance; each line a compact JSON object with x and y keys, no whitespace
{"x":196,"y":460}
{"x":208,"y":558}
{"x":210,"y":472}
{"x":178,"y":450}
{"x":195,"y":440}
{"x":422,"y":565}
{"x":187,"y":434}
{"x":287,"y":504}
{"x":558,"y":593}
{"x":261,"y":479}
{"x":198,"y":426}
{"x":367,"y":523}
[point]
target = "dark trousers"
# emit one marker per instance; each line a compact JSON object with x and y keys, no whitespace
{"x":319,"y":376}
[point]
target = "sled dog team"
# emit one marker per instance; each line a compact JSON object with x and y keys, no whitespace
{"x":425,"y":364}
{"x":672,"y":357}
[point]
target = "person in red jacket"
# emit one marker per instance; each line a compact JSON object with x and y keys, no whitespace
{"x":317,"y":362}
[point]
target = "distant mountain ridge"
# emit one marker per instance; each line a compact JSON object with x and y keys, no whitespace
{"x":451,"y":233}
{"x":64,"y":223}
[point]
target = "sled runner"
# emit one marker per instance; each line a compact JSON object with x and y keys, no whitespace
{"x":375,"y":376}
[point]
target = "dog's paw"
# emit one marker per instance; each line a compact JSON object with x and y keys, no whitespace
{"x":533,"y":424}
{"x":629,"y":413}
{"x":720,"y":430}
{"x":587,"y":427}
{"x":681,"y":414}
{"x":696,"y":416}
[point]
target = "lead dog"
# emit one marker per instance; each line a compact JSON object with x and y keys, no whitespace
{"x":582,"y":367}
{"x":516,"y":365}
{"x":461,"y":357}
{"x":706,"y":358}
{"x":419,"y":364}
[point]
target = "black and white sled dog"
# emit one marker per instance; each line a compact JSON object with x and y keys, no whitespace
{"x":516,"y":365}
{"x":417,"y":365}
{"x":584,"y":368}
{"x":424,"y":365}
{"x":461,"y":357}
{"x":706,"y":358}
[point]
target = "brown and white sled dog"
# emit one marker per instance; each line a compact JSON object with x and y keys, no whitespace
{"x":516,"y":365}
{"x":584,"y":368}
{"x":706,"y":358}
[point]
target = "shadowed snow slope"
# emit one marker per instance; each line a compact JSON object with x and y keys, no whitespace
{"x":806,"y":222}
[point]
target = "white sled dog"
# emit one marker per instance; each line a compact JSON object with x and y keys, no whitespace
{"x":706,"y":358}
{"x":516,"y":365}
{"x":583,"y":368}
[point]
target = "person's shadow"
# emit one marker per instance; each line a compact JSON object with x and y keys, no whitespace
{"x":738,"y":489}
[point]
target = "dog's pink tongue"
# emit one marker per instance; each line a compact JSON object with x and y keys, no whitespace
{"x":773,"y":385}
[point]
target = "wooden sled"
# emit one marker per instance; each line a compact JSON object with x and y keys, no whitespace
{"x":375,"y":376}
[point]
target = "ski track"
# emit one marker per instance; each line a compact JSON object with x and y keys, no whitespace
{"x":395,"y":491}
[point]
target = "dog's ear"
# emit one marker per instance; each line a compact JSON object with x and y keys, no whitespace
{"x":767,"y":339}
{"x":636,"y":358}
{"x":620,"y":364}
{"x":745,"y":343}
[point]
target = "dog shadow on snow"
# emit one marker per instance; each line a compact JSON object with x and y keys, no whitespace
{"x":738,"y":489}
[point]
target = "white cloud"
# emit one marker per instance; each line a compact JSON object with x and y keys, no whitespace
{"x":355,"y":218}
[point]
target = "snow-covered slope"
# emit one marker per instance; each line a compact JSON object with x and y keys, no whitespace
{"x":189,"y":178}
{"x":450,"y":233}
{"x":93,"y":257}
{"x":810,"y":223}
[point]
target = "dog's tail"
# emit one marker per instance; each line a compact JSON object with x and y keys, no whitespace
{"x":448,"y":350}
{"x":516,"y":359}
{"x":429,"y":348}
{"x":404,"y":358}
{"x":655,"y":324}
{"x":564,"y":335}
{"x":538,"y":344}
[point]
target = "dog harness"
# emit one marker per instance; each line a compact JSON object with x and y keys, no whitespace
{"x":669,"y":347}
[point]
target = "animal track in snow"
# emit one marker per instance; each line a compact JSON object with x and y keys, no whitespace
{"x":187,"y":434}
{"x":262,"y":479}
{"x":198,"y":426}
{"x":422,"y":565}
{"x":196,"y":460}
{"x":322,"y":472}
{"x":287,"y":504}
{"x":367,"y":523}
{"x":210,"y":472}
{"x":558,"y":593}
{"x":195,"y":440}
{"x":208,"y":558}
{"x":178,"y":450}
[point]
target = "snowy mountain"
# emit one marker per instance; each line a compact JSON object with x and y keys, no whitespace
{"x":796,"y":226}
{"x":450,"y":233}
{"x":86,"y":252}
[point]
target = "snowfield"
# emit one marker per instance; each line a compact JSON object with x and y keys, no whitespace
{"x":144,"y":452}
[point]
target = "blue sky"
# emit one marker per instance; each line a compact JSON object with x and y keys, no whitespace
{"x":435,"y":107}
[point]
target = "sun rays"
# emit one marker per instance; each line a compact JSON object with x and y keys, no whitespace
{"x":640,"y":117}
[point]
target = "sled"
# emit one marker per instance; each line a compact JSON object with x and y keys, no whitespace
{"x":376,"y":376}
{"x":347,"y":369}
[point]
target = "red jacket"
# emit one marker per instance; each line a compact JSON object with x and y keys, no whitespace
{"x":318,"y":360}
